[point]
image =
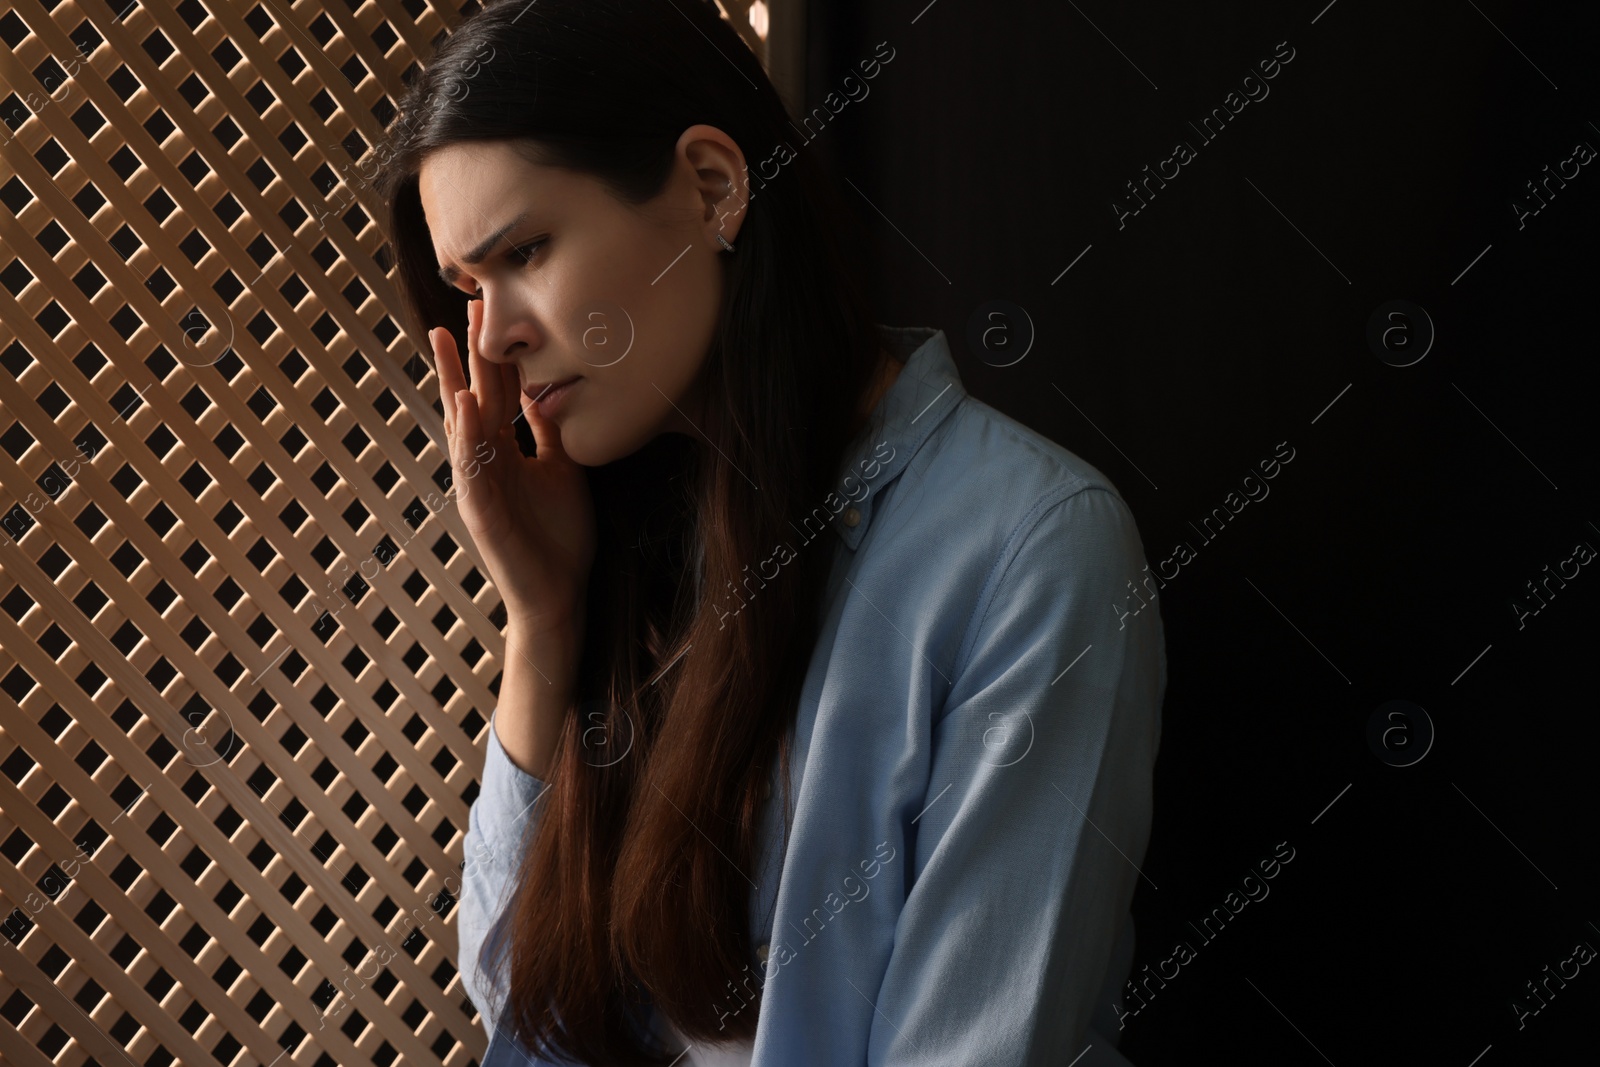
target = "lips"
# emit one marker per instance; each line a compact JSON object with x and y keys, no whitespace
{"x":538,"y":389}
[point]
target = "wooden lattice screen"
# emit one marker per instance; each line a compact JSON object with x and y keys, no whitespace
{"x":246,"y":654}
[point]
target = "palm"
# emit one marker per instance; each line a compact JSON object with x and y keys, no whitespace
{"x":531,"y":517}
{"x":517,"y":506}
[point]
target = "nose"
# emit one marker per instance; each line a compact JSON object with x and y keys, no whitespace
{"x":508,"y":330}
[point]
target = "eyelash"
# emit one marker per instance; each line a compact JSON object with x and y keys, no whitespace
{"x":525,"y":251}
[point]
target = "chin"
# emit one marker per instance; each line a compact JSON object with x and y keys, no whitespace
{"x":586,"y":451}
{"x":615,"y":440}
{"x":581,"y":450}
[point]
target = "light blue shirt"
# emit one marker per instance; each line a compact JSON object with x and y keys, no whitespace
{"x":971,"y":766}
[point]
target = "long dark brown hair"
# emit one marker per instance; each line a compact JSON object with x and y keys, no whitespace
{"x":637,"y":882}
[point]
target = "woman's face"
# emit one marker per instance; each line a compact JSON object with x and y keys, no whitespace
{"x":576,"y":283}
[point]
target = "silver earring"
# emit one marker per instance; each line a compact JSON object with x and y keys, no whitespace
{"x":725,"y":245}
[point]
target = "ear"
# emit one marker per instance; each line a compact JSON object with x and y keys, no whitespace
{"x":722,"y":181}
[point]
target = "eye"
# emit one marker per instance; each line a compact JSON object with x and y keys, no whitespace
{"x":522,"y":254}
{"x":525,"y":253}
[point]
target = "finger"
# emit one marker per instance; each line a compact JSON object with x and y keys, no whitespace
{"x":470,"y":424}
{"x":503,"y":389}
{"x":546,"y":434}
{"x":451,"y":376}
{"x":453,"y":403}
{"x":513,"y":390}
{"x":486,"y":380}
{"x":447,"y":364}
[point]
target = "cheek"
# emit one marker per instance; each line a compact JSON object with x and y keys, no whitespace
{"x":605,"y":335}
{"x":619,"y":304}
{"x":635,"y":316}
{"x":645,"y":354}
{"x":673,"y":291}
{"x":614,"y":423}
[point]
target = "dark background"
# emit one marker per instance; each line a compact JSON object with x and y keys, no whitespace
{"x":1223,"y":319}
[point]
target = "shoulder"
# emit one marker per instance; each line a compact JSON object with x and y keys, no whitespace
{"x":1050,"y":576}
{"x":991,"y":524}
{"x":1016,"y":485}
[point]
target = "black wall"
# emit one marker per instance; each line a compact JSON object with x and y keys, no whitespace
{"x":1386,"y":560}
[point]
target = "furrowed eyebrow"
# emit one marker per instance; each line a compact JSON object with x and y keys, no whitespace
{"x":481,"y":252}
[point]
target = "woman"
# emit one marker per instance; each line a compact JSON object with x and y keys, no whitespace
{"x":826,"y":725}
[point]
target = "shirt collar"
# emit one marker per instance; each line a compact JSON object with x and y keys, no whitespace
{"x":927,"y":389}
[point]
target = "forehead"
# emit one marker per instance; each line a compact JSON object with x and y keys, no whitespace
{"x":466,"y":189}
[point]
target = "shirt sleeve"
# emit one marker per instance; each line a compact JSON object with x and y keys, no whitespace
{"x":497,"y":824}
{"x":1038,"y":805}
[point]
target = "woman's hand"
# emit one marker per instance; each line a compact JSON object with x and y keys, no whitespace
{"x":532,"y":518}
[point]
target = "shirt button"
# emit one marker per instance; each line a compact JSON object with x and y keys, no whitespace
{"x":761,"y":952}
{"x":851,"y":516}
